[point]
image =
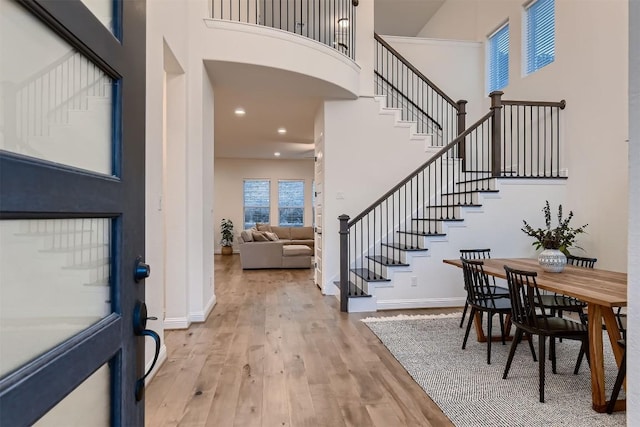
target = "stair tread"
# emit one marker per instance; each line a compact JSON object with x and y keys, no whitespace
{"x":460,"y":205}
{"x":404,"y":247}
{"x":354,"y":291}
{"x":422,"y":233}
{"x":386,"y":261}
{"x":471,"y":191}
{"x":469,"y":181}
{"x":368,"y":275}
{"x":438,"y":219}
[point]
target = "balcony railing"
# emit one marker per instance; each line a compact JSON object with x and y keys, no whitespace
{"x":332,"y":22}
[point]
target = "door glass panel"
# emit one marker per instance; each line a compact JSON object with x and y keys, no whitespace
{"x":86,"y":405}
{"x":103,"y":10}
{"x":55,"y":104}
{"x":54,"y":282}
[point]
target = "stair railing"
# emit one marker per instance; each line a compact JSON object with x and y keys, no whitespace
{"x":515,"y":139}
{"x":419,"y":99}
{"x":331,"y":22}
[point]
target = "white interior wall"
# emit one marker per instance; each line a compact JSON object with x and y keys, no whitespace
{"x":229,"y":175}
{"x":166,"y":51}
{"x":447,"y":63}
{"x":633,"y":343}
{"x":595,"y":121}
{"x":356,"y":140}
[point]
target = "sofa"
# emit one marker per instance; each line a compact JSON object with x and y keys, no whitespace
{"x":267,"y":246}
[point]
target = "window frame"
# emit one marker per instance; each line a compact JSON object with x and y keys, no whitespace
{"x":244,"y":201}
{"x":532,"y":42}
{"x":301,"y":207}
{"x":490,"y":54}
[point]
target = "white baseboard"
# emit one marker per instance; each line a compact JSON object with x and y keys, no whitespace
{"x":395,"y":304}
{"x":201,"y":316}
{"x":176,"y":323}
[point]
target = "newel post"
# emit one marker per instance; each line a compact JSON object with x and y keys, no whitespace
{"x":344,"y":262}
{"x":462,"y":125}
{"x":496,"y":132}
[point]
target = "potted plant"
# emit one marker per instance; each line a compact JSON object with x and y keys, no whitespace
{"x":226,"y":230}
{"x":555,"y":241}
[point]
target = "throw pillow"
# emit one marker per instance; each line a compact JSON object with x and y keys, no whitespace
{"x":271,"y":236}
{"x":263,"y":227}
{"x":246,"y":235}
{"x":258,"y":236}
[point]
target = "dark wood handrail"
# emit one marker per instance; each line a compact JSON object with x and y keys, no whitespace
{"x":408,"y":100}
{"x":560,"y":104}
{"x":435,"y":157}
{"x":416,"y":71}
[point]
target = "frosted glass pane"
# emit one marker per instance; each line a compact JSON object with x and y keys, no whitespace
{"x":54,"y":282}
{"x":55,"y":104}
{"x":103,"y":10}
{"x":87,"y":405}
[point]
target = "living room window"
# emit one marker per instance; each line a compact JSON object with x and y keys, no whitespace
{"x":498,"y":59}
{"x":256,"y":202}
{"x":291,"y":203}
{"x":539,"y":37}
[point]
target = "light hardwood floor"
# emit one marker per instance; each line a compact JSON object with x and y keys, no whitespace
{"x":276,"y":352}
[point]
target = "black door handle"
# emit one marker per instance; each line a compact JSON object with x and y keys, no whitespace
{"x":139,"y":328}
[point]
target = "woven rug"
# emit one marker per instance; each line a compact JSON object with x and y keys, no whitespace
{"x":472,"y":393}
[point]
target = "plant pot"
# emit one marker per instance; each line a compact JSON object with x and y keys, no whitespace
{"x":552,"y":260}
{"x":228,"y":250}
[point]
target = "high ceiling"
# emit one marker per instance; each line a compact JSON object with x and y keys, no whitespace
{"x":272,"y":100}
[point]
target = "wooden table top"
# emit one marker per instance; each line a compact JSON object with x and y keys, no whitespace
{"x":591,"y":285}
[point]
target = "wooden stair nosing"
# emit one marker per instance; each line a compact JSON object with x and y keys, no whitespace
{"x":386,"y":261}
{"x":464,"y":205}
{"x":469,"y":181}
{"x":421,"y":233}
{"x":438,"y":219}
{"x":354,"y":291}
{"x":403,"y":247}
{"x":368,"y":275}
{"x":471,"y":192}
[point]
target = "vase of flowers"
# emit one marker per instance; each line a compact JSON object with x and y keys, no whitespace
{"x":555,"y":241}
{"x":226,"y":230}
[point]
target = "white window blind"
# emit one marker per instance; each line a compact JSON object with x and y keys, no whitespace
{"x":498,"y":59}
{"x":291,"y":203}
{"x":540,"y":35}
{"x":256,"y":202}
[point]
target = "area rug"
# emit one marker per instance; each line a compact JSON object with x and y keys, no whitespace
{"x":472,"y":393}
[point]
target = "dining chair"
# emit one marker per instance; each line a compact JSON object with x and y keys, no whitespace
{"x":622,"y":373}
{"x":481,"y":297}
{"x":528,"y":315}
{"x":481,"y":254}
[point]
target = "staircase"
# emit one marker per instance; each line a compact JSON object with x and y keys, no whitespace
{"x":393,"y":243}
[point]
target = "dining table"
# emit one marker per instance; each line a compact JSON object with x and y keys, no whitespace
{"x":601,"y":290}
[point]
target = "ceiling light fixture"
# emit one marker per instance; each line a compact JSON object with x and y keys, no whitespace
{"x":240,"y":112}
{"x":282,"y":131}
{"x":277,"y":154}
{"x":343,"y":22}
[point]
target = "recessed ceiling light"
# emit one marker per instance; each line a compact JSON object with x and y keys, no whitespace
{"x":282,"y":131}
{"x":277,"y":154}
{"x":240,"y":111}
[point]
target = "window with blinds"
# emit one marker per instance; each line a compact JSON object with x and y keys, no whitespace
{"x":540,"y":40}
{"x":498,"y":59}
{"x":291,"y":203}
{"x":256,"y":202}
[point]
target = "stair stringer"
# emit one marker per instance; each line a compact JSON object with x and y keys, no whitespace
{"x":427,"y":140}
{"x":496,"y":225}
